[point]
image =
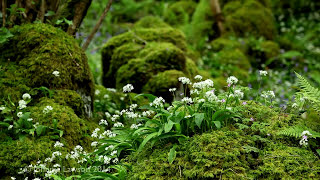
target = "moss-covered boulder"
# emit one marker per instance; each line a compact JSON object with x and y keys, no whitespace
{"x":250,"y":18}
{"x":122,"y":48}
{"x":150,"y":22}
{"x":35,"y":51}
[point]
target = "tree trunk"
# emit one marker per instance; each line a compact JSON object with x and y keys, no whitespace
{"x":216,"y":9}
{"x":55,"y":12}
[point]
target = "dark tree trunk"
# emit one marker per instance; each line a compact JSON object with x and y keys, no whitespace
{"x":55,"y":12}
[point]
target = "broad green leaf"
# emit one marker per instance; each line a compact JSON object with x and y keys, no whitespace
{"x":147,"y":139}
{"x":217,"y":124}
{"x":172,"y":154}
{"x":150,"y":97}
{"x":4,"y":124}
{"x":50,"y":13}
{"x":41,"y":129}
{"x":168,"y":126}
{"x":199,"y":118}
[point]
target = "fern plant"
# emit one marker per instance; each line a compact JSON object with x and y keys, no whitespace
{"x":296,"y":131}
{"x":309,"y":93}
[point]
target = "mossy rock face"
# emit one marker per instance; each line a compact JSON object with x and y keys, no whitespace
{"x":19,"y":154}
{"x":206,"y":156}
{"x":235,"y":58}
{"x":251,"y":18}
{"x":114,"y":55}
{"x":227,"y":44}
{"x":283,"y":162}
{"x":150,"y":22}
{"x":271,"y":49}
{"x":31,"y":56}
{"x":74,"y":128}
{"x":159,"y":85}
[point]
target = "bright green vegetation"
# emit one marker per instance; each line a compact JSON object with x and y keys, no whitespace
{"x":162,"y":93}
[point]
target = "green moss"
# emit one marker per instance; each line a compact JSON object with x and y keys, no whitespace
{"x":251,"y":18}
{"x":19,"y":154}
{"x":233,"y":57}
{"x":180,"y":12}
{"x":150,"y":22}
{"x":139,"y":37}
{"x":72,"y":99}
{"x":159,"y":85}
{"x":74,"y":129}
{"x":283,"y":162}
{"x":227,"y":44}
{"x":33,"y":53}
{"x":154,"y":58}
{"x":270,"y":49}
{"x":207,"y":156}
{"x":191,"y":71}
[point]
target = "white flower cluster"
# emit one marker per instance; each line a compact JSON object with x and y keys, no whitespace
{"x":26,"y":96}
{"x":22,"y":104}
{"x":172,"y":89}
{"x":128,"y":88}
{"x":232,"y":80}
{"x":133,"y":106}
{"x":158,"y":102}
{"x":94,"y":143}
{"x":211,"y":96}
{"x":118,"y":124}
{"x":198,"y":77}
{"x":187,"y":100}
{"x":238,"y":93}
{"x":56,"y":73}
{"x":95,"y":133}
{"x":106,"y":96}
{"x":107,"y":115}
{"x":263,"y":73}
{"x":115,"y":117}
{"x":132,"y":115}
{"x":20,"y":114}
{"x":103,"y":122}
{"x":203,"y":84}
{"x":58,"y":144}
{"x":147,"y":113}
{"x":47,"y":109}
{"x":268,"y":94}
{"x":184,"y":80}
{"x":135,"y":126}
{"x":194,"y":91}
{"x":294,"y":105}
{"x":304,"y":138}
{"x":2,"y":108}
{"x":97,"y":92}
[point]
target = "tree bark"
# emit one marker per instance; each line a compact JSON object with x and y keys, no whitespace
{"x":216,"y":9}
{"x":35,"y":10}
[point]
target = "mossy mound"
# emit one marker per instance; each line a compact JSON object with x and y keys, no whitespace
{"x":159,"y":85}
{"x":225,"y":154}
{"x":31,"y":56}
{"x":150,"y":22}
{"x":19,"y":154}
{"x":250,"y":18}
{"x":207,"y":156}
{"x":227,"y":44}
{"x":120,"y":49}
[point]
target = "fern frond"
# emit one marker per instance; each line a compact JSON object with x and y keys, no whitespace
{"x":309,"y":92}
{"x":296,"y":131}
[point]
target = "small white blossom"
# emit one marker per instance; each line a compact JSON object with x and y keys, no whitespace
{"x":58,"y":144}
{"x":103,"y":122}
{"x":132,"y":115}
{"x":194,"y":91}
{"x":47,"y":109}
{"x":133,"y":106}
{"x":106,"y":96}
{"x":118,"y":124}
{"x":26,"y":96}
{"x":294,"y":105}
{"x":184,"y":80}
{"x":268,"y":94}
{"x":128,"y":88}
{"x":232,"y":80}
{"x":2,"y":108}
{"x":187,"y":117}
{"x":95,"y":133}
{"x":203,"y":84}
{"x":135,"y":126}
{"x":263,"y":73}
{"x":198,"y":77}
{"x":211,"y":96}
{"x":115,"y":117}
{"x":97,"y":92}
{"x":29,"y":119}
{"x":107,"y":114}
{"x":306,"y":133}
{"x":22,"y":104}
{"x":187,"y":100}
{"x":56,"y":73}
{"x":10,"y":127}
{"x":111,"y":90}
{"x":238,"y":94}
{"x":172,"y":89}
{"x":94,"y":144}
{"x":19,"y":114}
{"x":158,"y":102}
{"x":201,"y":100}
